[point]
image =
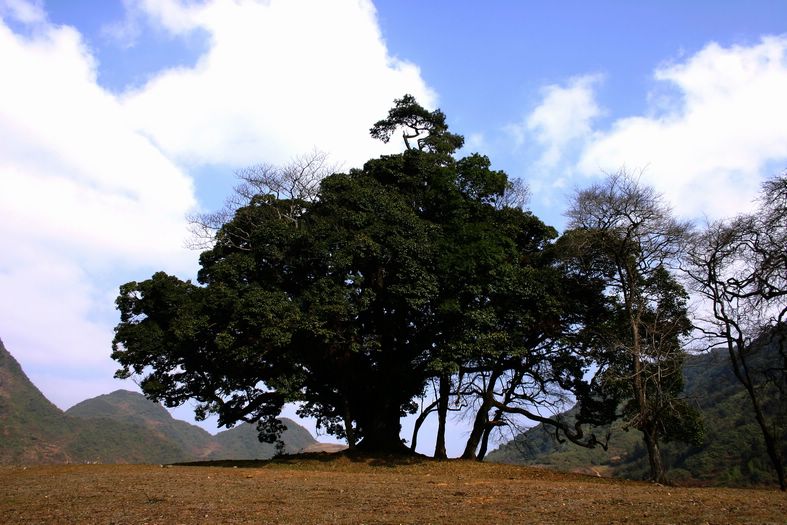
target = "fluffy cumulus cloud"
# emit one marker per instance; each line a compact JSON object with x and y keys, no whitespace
{"x":553,"y":132}
{"x":94,"y":184}
{"x":50,"y":320}
{"x":24,"y":11}
{"x":81,"y":192}
{"x":563,"y":117}
{"x":714,"y":128}
{"x":279,"y":78}
{"x":708,"y":146}
{"x":76,"y":173}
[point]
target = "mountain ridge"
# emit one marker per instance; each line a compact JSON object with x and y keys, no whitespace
{"x":119,"y":427}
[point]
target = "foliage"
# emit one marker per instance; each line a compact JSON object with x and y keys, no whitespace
{"x":625,"y":237}
{"x":427,"y":127}
{"x":351,"y":300}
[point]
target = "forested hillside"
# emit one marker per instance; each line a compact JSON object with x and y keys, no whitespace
{"x":731,"y":453}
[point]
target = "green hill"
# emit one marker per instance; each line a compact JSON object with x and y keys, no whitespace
{"x":121,"y":427}
{"x":34,"y":430}
{"x":732,"y":452}
{"x":240,"y":442}
{"x":30,"y":426}
{"x":134,"y":408}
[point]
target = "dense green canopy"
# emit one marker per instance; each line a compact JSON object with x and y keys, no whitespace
{"x":409,"y":269}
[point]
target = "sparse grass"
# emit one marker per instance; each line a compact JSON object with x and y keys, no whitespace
{"x":344,"y":489}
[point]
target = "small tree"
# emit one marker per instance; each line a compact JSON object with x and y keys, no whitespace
{"x":739,"y":267}
{"x":624,"y":236}
{"x":428,"y":128}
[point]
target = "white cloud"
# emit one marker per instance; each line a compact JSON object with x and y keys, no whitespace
{"x":27,"y":12}
{"x":51,"y":319}
{"x":52,"y":300}
{"x":563,"y":117}
{"x":279,"y":78}
{"x":92,"y":187}
{"x":73,"y":171}
{"x":474,"y":142}
{"x":553,"y":133}
{"x":127,"y":31}
{"x":707,"y":151}
{"x":82,"y":195}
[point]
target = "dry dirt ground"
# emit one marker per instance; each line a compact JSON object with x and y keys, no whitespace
{"x":338,"y":489}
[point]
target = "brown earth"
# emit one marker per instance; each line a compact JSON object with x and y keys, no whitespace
{"x":340,"y":489}
{"x":328,"y":448}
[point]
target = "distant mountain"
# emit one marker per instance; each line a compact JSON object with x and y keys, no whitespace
{"x":34,"y":430}
{"x":123,"y":406}
{"x":732,"y":452}
{"x":121,"y":427}
{"x":328,"y":448}
{"x":30,"y":426}
{"x":239,"y":442}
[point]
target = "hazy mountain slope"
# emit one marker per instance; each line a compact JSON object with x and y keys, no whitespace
{"x":33,"y":430}
{"x":107,"y":441}
{"x":240,"y":442}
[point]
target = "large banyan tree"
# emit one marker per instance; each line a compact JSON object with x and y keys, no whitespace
{"x":418,"y":269}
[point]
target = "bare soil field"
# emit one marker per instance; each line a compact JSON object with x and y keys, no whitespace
{"x":339,"y":489}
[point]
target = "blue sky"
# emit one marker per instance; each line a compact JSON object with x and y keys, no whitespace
{"x":119,"y":117}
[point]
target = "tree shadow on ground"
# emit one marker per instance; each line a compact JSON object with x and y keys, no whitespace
{"x":373,"y":460}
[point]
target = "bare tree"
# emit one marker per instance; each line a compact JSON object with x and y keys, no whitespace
{"x":516,"y":195}
{"x":529,"y":386}
{"x":623,"y":234}
{"x":739,"y":267}
{"x":294,"y":183}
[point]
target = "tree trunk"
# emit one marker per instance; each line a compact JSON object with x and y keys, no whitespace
{"x":497,"y":421}
{"x":380,"y":427}
{"x":420,"y":421}
{"x":657,"y":472}
{"x":767,"y":435}
{"x":484,"y":442}
{"x":646,"y":426}
{"x":770,"y":443}
{"x":741,"y":370}
{"x":442,"y":413}
{"x":481,"y":418}
{"x":477,"y":433}
{"x":348,"y":427}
